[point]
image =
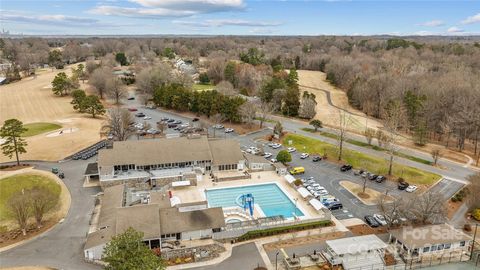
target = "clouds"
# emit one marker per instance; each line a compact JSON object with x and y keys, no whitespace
{"x":227,"y":22}
{"x":454,"y":30}
{"x":169,"y":8}
{"x":48,"y":19}
{"x":472,"y":19}
{"x":433,"y":23}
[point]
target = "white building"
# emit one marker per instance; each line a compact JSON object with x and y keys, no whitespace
{"x":356,"y":252}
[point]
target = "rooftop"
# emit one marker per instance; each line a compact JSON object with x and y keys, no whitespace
{"x":429,"y":235}
{"x":356,"y":244}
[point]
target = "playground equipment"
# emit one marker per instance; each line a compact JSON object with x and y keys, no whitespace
{"x":246,"y":201}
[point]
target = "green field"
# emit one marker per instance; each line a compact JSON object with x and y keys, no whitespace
{"x":39,"y":128}
{"x":359,"y":160}
{"x":202,"y":87}
{"x":366,"y":145}
{"x":12,"y":184}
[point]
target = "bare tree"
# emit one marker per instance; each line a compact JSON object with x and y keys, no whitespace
{"x":42,"y":200}
{"x":115,"y":89}
{"x":427,"y":208}
{"x":436,"y":154}
{"x":395,"y":118}
{"x":369,"y":133}
{"x":161,"y":127}
{"x":98,"y":80}
{"x":248,"y":111}
{"x":392,"y":211}
{"x":308,"y":108}
{"x":149,"y":79}
{"x":217,"y":119}
{"x":19,"y":208}
{"x":225,"y":88}
{"x":264,"y":109}
{"x":118,"y":124}
{"x":344,"y":122}
{"x":473,"y":200}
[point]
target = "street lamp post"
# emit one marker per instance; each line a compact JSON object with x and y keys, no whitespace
{"x":473,"y":244}
{"x":276,"y":260}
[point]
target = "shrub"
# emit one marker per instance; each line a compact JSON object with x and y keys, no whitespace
{"x":278,"y":230}
{"x":467,"y":227}
{"x":476,"y":214}
{"x":297,"y":182}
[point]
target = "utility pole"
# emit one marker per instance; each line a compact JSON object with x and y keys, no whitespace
{"x":473,"y":244}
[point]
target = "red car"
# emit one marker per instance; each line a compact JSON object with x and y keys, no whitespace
{"x":132,"y":109}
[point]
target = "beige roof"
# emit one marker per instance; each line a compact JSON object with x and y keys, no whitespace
{"x":157,"y":151}
{"x":225,"y":151}
{"x":112,"y":199}
{"x":160,"y":198}
{"x":356,"y":244}
{"x":99,"y":237}
{"x":429,"y":235}
{"x":173,"y":221}
{"x":144,"y":218}
{"x":255,"y":159}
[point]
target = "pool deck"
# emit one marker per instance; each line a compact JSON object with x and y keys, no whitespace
{"x":197,"y":193}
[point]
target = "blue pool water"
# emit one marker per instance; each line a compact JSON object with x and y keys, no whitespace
{"x":269,"y":197}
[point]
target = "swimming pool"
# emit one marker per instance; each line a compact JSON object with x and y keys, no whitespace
{"x":271,"y":199}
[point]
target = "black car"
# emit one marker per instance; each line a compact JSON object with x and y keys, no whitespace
{"x":380,"y":179}
{"x":372,"y":222}
{"x":195,"y":119}
{"x":402,"y":185}
{"x":171,"y":125}
{"x":346,"y":167}
{"x":170,"y":120}
{"x":164,"y":119}
{"x":131,"y":98}
{"x":178,"y":122}
{"x":61,"y":175}
{"x":140,"y":114}
{"x":335,"y":206}
{"x":372,"y":176}
{"x":316,"y":158}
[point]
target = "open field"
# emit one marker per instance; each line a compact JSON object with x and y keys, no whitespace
{"x":330,"y":99}
{"x":19,"y":182}
{"x":39,"y":128}
{"x":31,"y":101}
{"x":359,"y":160}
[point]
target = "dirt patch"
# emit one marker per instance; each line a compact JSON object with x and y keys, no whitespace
{"x":301,"y":240}
{"x":370,"y":197}
{"x":14,"y":236}
{"x":31,"y":100}
{"x":365,"y":230}
{"x":452,"y":208}
{"x":8,"y":168}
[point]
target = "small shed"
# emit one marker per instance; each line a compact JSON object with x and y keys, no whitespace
{"x":280,"y":169}
{"x":257,"y":163}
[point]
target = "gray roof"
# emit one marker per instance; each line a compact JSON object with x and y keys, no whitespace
{"x":225,"y":151}
{"x":111,"y":200}
{"x":255,"y":159}
{"x":174,"y":221}
{"x":356,"y":244}
{"x":430,"y":235}
{"x":144,"y":218}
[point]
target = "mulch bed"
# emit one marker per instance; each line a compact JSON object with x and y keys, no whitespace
{"x":13,"y":236}
{"x":14,"y":167}
{"x":365,"y":229}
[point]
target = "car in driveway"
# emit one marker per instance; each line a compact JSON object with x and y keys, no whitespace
{"x":411,"y":188}
{"x":132,"y":109}
{"x":304,"y":155}
{"x":380,"y":219}
{"x":291,"y":149}
{"x":229,"y":130}
{"x":371,"y":221}
{"x":346,"y":167}
{"x":402,"y":185}
{"x":316,"y":158}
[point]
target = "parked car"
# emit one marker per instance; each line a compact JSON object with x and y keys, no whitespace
{"x":55,"y":170}
{"x":171,"y":125}
{"x":178,"y":122}
{"x":346,"y":167}
{"x":380,"y":219}
{"x":267,"y":155}
{"x":170,"y":120}
{"x":364,"y":174}
{"x":371,"y":221}
{"x":147,"y":118}
{"x":372,"y":176}
{"x":228,"y":130}
{"x":274,"y":160}
{"x":195,"y":119}
{"x":218,"y":126}
{"x":140,"y":114}
{"x":291,"y":149}
{"x":335,"y":206}
{"x":131,"y":98}
{"x":132,"y":109}
{"x":402,"y":185}
{"x":61,"y":175}
{"x":304,"y":155}
{"x":276,"y":145}
{"x":316,"y":158}
{"x":380,"y":179}
{"x":411,"y":188}
{"x":310,"y":182}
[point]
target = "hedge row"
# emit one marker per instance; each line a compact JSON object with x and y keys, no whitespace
{"x":284,"y":229}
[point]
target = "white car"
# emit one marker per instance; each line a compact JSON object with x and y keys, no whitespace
{"x":380,"y":219}
{"x":291,"y":149}
{"x":310,"y":188}
{"x":228,"y":130}
{"x":276,"y":145}
{"x":218,"y":126}
{"x":147,"y":118}
{"x":412,"y":188}
{"x":267,"y":155}
{"x":274,"y":160}
{"x":311,"y":182}
{"x":304,"y":155}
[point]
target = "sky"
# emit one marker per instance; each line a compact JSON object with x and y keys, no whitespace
{"x":240,"y":17}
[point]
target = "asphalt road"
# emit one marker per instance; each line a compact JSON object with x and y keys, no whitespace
{"x":245,"y":256}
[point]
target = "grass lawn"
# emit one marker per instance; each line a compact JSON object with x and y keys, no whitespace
{"x":374,"y":147}
{"x":359,"y":160}
{"x":39,"y":128}
{"x":202,"y":87}
{"x":15,"y":183}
